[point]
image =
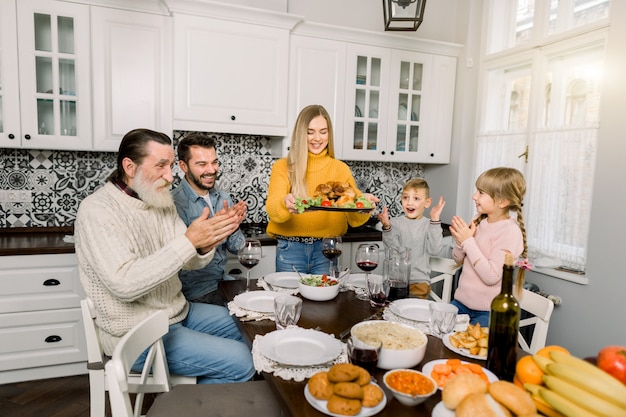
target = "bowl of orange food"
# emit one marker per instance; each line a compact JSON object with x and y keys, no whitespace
{"x":409,"y":386}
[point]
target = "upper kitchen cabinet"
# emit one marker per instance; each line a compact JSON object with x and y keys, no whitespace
{"x":317,"y":76}
{"x":231,"y":72}
{"x":132,"y":80}
{"x":51,"y":39}
{"x":399,"y":105}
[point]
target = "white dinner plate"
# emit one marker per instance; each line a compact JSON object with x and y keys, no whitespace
{"x":441,"y":410}
{"x":357,"y":280}
{"x":299,"y":347}
{"x":411,"y":308}
{"x":261,"y":301}
{"x":320,"y":405}
{"x":461,"y":351}
{"x":282,"y":279}
{"x":428,"y":368}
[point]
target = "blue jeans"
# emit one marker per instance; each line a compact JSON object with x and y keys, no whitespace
{"x":307,"y":258}
{"x":476,"y":316}
{"x":208,"y":345}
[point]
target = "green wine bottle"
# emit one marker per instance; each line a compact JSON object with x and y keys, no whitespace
{"x":503,"y":327}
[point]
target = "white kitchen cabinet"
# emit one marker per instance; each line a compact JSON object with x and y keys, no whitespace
{"x":399,"y":105}
{"x":51,"y":39}
{"x":317,"y":76}
{"x":40,"y":319}
{"x":230,"y":76}
{"x":131,"y":61}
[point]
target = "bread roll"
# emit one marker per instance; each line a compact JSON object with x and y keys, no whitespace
{"x":481,"y":405}
{"x":343,"y":372}
{"x":460,"y":386}
{"x":513,"y":397}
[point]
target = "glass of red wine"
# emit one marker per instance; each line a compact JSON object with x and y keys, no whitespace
{"x":364,"y":354}
{"x":366,"y":258}
{"x":331,"y":248}
{"x":249,"y":256}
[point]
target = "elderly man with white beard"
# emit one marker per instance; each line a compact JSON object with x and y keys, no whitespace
{"x":131,"y":244}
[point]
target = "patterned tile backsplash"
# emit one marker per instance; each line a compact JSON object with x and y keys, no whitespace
{"x":60,"y":180}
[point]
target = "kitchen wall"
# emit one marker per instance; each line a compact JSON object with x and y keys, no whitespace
{"x":60,"y":180}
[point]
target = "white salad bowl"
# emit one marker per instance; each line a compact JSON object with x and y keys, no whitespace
{"x":315,"y":293}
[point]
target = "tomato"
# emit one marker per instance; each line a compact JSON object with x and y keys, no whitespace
{"x":359,"y":204}
{"x":326,"y":203}
{"x":304,"y":202}
{"x":612,"y":360}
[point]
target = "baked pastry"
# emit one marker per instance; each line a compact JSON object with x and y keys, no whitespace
{"x":320,"y":387}
{"x":512,"y":397}
{"x":343,"y":406}
{"x":372,"y":395}
{"x":343,"y":372}
{"x":364,"y":377}
{"x":481,"y":405}
{"x":348,"y":390}
{"x":460,"y":386}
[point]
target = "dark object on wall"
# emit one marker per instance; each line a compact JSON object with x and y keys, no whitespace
{"x":403,"y":15}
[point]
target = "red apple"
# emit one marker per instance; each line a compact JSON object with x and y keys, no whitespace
{"x":612,"y":360}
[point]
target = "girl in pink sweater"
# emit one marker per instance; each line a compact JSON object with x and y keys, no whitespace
{"x":481,"y":244}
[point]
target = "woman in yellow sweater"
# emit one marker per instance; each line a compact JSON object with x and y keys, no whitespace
{"x":310,"y":162}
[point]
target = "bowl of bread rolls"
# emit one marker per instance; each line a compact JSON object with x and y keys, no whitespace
{"x":404,"y":346}
{"x":409,"y":386}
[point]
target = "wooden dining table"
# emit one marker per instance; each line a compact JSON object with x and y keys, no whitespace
{"x":335,"y":317}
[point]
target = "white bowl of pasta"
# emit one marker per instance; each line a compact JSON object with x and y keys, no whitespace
{"x":404,"y":346}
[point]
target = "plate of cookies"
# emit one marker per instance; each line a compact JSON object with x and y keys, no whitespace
{"x":345,"y":390}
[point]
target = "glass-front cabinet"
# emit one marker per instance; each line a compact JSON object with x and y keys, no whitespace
{"x":402,"y":103}
{"x":54,"y":77}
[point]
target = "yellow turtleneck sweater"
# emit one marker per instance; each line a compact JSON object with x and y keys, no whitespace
{"x":320,"y":169}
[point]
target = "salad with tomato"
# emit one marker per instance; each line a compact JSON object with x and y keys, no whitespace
{"x":304,"y":203}
{"x":318,"y":281}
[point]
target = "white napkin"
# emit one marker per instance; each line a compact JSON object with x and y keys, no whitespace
{"x":264,"y":364}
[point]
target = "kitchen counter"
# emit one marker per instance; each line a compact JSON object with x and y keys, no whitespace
{"x":50,"y":240}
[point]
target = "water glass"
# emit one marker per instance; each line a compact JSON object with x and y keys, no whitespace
{"x":378,"y":289}
{"x":287,"y":309}
{"x":442,"y":318}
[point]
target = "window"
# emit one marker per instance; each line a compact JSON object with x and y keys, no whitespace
{"x":540,"y":114}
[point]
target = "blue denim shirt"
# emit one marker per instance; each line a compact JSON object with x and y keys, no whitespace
{"x":189,"y":206}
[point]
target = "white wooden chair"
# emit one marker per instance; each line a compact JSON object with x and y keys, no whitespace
{"x":541,"y":310}
{"x":252,"y":398}
{"x":446,"y":267}
{"x":96,"y":360}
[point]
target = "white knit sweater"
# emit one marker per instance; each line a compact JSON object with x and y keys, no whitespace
{"x":129,"y":256}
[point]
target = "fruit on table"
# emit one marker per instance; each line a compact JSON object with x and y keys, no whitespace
{"x":527,"y":371}
{"x":545,"y":351}
{"x":612,"y":360}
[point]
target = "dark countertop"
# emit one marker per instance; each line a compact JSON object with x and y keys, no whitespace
{"x":49,"y":240}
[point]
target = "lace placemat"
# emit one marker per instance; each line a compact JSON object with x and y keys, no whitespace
{"x":263,"y":284}
{"x":462,"y":320}
{"x":289,"y":372}
{"x":248,"y":315}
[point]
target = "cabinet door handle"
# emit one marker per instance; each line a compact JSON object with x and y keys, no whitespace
{"x":383,"y":152}
{"x":27,"y":137}
{"x":11,"y":136}
{"x":233,"y":117}
{"x":235,"y":271}
{"x":51,"y":282}
{"x":53,"y":339}
{"x":392,"y":153}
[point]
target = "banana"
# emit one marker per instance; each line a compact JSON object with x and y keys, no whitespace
{"x":583,"y":398}
{"x":589,"y":381}
{"x":543,"y":407}
{"x":542,"y":362}
{"x":563,"y":405}
{"x":532,"y":388}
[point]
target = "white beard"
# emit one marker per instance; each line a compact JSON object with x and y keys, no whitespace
{"x":155,"y":194}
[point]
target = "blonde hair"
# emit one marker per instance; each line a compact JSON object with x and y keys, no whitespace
{"x":298,"y":155}
{"x":417,"y":184}
{"x":504,"y":183}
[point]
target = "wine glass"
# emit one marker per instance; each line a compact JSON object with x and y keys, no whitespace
{"x":366,"y":259}
{"x":331,"y":248}
{"x":249,"y":256}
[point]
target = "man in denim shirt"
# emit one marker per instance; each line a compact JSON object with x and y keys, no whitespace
{"x":198,"y":160}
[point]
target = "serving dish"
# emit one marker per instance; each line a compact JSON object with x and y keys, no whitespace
{"x":346,"y":209}
{"x":299,"y":347}
{"x":461,"y":351}
{"x":406,"y":398}
{"x":441,"y":410}
{"x":282,"y":279}
{"x":428,"y":368}
{"x":260,"y":301}
{"x":395,"y":358}
{"x":320,"y":405}
{"x":314,"y":293}
{"x":414,"y":309}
